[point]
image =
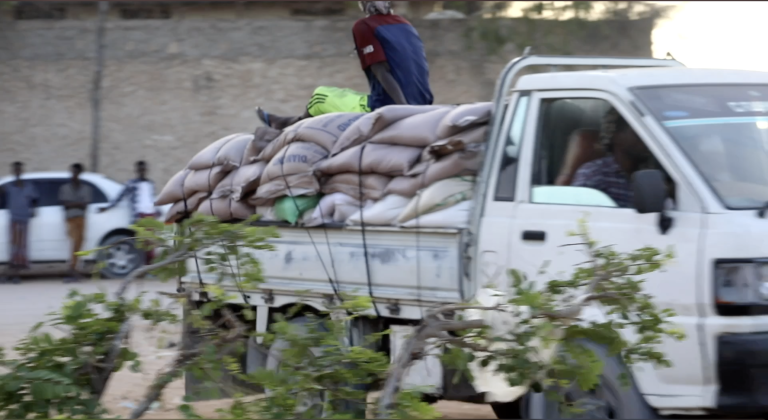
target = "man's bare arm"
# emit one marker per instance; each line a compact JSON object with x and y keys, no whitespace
{"x":384,"y":75}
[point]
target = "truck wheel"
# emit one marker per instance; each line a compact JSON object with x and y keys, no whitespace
{"x":609,"y":400}
{"x":314,"y":402}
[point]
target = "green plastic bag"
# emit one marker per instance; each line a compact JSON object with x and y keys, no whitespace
{"x":290,"y":209}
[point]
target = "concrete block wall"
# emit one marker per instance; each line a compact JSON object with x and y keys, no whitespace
{"x":170,"y":87}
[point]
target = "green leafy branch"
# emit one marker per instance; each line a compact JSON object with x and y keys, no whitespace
{"x":67,"y":375}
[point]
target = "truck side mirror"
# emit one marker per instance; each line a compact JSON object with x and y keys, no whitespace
{"x":650,"y":196}
{"x":650,"y":191}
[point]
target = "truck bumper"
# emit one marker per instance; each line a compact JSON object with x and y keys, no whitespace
{"x":742,"y":365}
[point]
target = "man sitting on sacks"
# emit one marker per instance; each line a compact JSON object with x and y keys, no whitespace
{"x":392,"y":56}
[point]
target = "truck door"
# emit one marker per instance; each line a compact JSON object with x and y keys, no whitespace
{"x":561,"y":135}
{"x":491,"y":265}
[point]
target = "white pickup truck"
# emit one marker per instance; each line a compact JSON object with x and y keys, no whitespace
{"x":708,"y":133}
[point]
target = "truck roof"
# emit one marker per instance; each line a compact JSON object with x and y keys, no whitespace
{"x":636,"y":77}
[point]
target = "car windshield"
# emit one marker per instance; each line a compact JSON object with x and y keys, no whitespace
{"x":724,"y":131}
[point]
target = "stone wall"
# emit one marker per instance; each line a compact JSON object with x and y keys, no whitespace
{"x":172,"y":86}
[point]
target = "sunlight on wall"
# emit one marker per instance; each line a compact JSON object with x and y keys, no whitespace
{"x":716,"y":34}
{"x":720,"y":34}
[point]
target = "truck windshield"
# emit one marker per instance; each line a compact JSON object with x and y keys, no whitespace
{"x":724,"y":131}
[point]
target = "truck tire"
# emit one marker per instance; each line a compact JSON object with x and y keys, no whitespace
{"x":610,"y":399}
{"x":355,"y":408}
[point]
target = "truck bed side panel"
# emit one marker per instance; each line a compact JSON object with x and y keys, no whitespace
{"x":403,"y":264}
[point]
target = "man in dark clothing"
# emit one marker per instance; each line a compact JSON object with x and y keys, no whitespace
{"x":21,"y":199}
{"x":392,"y":56}
{"x":626,"y":155}
{"x":75,"y":197}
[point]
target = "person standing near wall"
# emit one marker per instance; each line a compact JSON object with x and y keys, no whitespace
{"x":141,"y":192}
{"x":392,"y":56}
{"x":75,"y":197}
{"x":21,"y":198}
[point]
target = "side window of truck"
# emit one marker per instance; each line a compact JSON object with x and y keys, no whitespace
{"x":505,"y":187}
{"x":575,"y":162}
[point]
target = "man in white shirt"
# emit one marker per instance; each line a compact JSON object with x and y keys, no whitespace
{"x":141,"y":191}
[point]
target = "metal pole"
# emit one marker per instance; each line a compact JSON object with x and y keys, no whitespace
{"x":96,"y":88}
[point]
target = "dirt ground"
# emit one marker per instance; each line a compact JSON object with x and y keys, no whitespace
{"x":28,"y":303}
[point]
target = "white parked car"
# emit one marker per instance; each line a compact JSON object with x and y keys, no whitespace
{"x":48,"y":241}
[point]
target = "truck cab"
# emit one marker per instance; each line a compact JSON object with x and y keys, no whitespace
{"x":706,"y":138}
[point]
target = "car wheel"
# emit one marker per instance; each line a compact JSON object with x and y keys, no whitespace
{"x":120,"y":257}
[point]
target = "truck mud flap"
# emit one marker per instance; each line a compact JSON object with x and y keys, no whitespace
{"x":462,"y":390}
{"x":209,"y":385}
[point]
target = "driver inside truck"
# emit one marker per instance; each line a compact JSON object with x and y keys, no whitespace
{"x":392,"y":56}
{"x":626,"y":154}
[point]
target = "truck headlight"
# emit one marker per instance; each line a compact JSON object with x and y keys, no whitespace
{"x":742,"y":283}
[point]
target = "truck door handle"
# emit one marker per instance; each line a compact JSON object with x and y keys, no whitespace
{"x":534,"y":235}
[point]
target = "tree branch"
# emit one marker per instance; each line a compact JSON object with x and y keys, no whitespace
{"x":462,"y":343}
{"x":187,"y":355}
{"x":117,"y":342}
{"x":179,"y":256}
{"x":109,"y":362}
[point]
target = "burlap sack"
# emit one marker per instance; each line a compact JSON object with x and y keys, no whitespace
{"x":224,"y":187}
{"x":234,"y":152}
{"x":333,"y":208}
{"x":323,"y":131}
{"x":373,"y":185}
{"x":246,"y":179}
{"x":295,"y":158}
{"x":462,"y":163}
{"x":262,"y":137}
{"x":383,"y":159}
{"x":179,"y":209}
{"x":290,"y":186}
{"x":425,"y":163}
{"x":204,"y":180}
{"x":173,"y":190}
{"x":464,"y":116}
{"x":415,"y":131}
{"x":372,"y":123}
{"x":225,"y":209}
{"x":204,"y":159}
{"x":455,"y":143}
{"x":258,"y":202}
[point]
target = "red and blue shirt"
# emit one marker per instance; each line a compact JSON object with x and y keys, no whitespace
{"x":392,"y":39}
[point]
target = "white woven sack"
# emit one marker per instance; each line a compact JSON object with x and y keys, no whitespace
{"x":440,"y":195}
{"x":453,"y":217}
{"x":383,"y":213}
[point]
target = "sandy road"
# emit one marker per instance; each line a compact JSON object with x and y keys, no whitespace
{"x":26,"y":304}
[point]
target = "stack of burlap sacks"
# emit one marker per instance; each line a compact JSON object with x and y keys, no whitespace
{"x":402,"y":165}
